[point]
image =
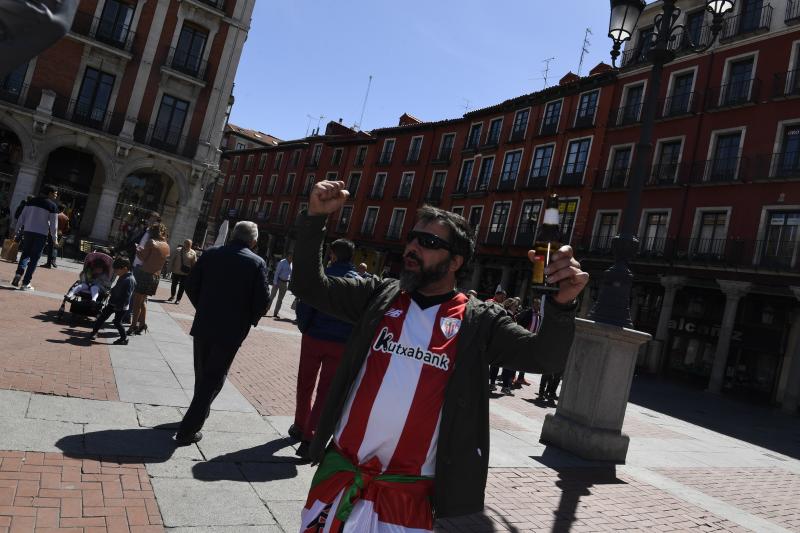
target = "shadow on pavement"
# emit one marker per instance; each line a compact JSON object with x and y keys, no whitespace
{"x":142,"y":445}
{"x":474,"y":523}
{"x":257,"y":464}
{"x":575,"y":484}
{"x":761,"y":425}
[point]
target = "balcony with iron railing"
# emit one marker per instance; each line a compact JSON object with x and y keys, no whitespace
{"x":626,"y":115}
{"x":667,"y":174}
{"x":570,"y":175}
{"x":471,"y":144}
{"x":87,"y":114}
{"x":103,"y":30}
{"x":367,"y":231}
{"x":312,"y":163}
{"x":719,"y":170}
{"x":786,"y":83}
{"x":735,"y":93}
{"x":548,"y":125}
{"x":384,"y":160}
{"x":506,"y":184}
{"x":634,"y":56}
{"x":481,"y":186}
{"x":537,"y":178}
{"x":167,"y":139}
{"x":612,"y":179}
{"x":679,"y":105}
{"x":492,"y":142}
{"x":442,"y":158}
{"x":403,"y":194}
{"x":524,"y":238}
{"x":781,"y":165}
{"x":375,"y":194}
{"x":792,"y":12}
{"x":393,"y":232}
{"x":746,"y":23}
{"x":434,"y":196}
{"x":462,"y":188}
{"x":517,"y":134}
{"x":412,"y":159}
{"x":183,"y":61}
{"x":494,"y":238}
{"x":582,"y":118}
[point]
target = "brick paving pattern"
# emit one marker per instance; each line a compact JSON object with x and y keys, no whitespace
{"x":581,"y":500}
{"x":40,"y":355}
{"x":771,"y":494}
{"x":49,"y":493}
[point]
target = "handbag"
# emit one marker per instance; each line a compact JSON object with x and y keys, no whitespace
{"x":10,"y":249}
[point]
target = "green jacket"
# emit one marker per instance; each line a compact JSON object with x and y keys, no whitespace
{"x":488,"y":335}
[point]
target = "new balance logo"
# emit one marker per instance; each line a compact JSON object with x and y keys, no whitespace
{"x":394,"y":313}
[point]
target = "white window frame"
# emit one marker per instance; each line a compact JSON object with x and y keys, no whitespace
{"x":458,"y":210}
{"x":383,"y":150}
{"x":778,"y":147}
{"x":596,"y":227}
{"x":383,"y":185}
{"x":671,"y":83}
{"x":588,"y":157}
{"x":291,"y":177}
{"x":316,"y":154}
{"x":339,"y":151}
{"x":433,"y":181}
{"x":350,"y":181}
{"x":522,"y":208}
{"x":508,"y":219}
{"x":441,"y":144}
{"x":712,"y":148}
{"x":366,"y":152}
{"x":491,"y":171}
{"x":349,"y":219}
{"x":461,"y":173}
{"x":244,"y":184}
{"x":726,"y":72}
{"x":224,"y":207}
{"x":533,"y":159}
{"x":271,"y":184}
{"x":257,"y":184}
{"x":527,"y":123}
{"x":503,"y":164}
{"x":377,"y":209}
{"x":252,"y":208}
{"x":698,"y":217}
{"x":402,"y":179}
{"x":762,"y":229}
{"x":411,"y":145}
{"x":480,"y":134}
{"x":577,"y":212}
{"x":612,"y":152}
{"x":480,"y":218}
{"x":596,"y":107}
{"x":623,"y":102}
{"x":793,"y":60}
{"x":657,"y":153}
{"x":643,"y":219}
{"x":500,"y":135}
{"x":278,"y":214}
{"x":392,"y":217}
{"x":560,"y":114}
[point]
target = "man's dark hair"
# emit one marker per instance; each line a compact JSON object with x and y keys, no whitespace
{"x":343,"y":249}
{"x":61,"y":208}
{"x":46,"y":190}
{"x":122,"y":262}
{"x":462,"y":236}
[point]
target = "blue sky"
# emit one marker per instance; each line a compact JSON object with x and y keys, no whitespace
{"x":429,"y":58}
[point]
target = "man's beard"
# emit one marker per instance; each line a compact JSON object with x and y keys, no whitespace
{"x":412,"y":281}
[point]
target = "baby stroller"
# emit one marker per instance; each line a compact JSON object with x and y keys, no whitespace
{"x":89,"y":294}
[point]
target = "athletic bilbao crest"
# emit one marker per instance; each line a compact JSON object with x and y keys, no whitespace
{"x":450,"y":327}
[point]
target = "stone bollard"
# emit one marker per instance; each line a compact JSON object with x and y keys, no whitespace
{"x":594,"y":393}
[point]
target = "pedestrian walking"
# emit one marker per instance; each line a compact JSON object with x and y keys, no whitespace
{"x":228,"y":288}
{"x":529,"y":318}
{"x":321,"y":350}
{"x":507,"y":376}
{"x":153,"y":255}
{"x":283,"y":275}
{"x":362,"y":271}
{"x":118,"y":300}
{"x":181,"y":264}
{"x":38,"y":219}
{"x":51,"y":250}
{"x":407,"y":413}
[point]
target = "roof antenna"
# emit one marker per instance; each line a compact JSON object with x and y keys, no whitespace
{"x":546,"y":71}
{"x":308,"y":125}
{"x":357,"y":126}
{"x":585,"y":49}
{"x":466,"y":105}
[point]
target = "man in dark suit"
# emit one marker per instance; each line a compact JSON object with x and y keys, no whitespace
{"x":228,"y":288}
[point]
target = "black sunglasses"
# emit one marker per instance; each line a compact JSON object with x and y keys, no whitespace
{"x":429,"y":240}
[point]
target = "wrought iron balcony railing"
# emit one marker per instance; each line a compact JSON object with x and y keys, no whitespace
{"x":611,"y":179}
{"x":183,"y":61}
{"x":393,"y":233}
{"x":735,"y":93}
{"x":165,"y":138}
{"x":517,"y":135}
{"x":627,"y":114}
{"x":105,"y":30}
{"x":494,"y":238}
{"x":719,"y":170}
{"x":786,"y":83}
{"x":570,"y":175}
{"x":792,"y":12}
{"x":549,"y":125}
{"x":747,"y":22}
{"x":781,"y":165}
{"x":678,"y":105}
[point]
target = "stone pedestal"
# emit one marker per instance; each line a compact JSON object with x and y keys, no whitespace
{"x":594,"y":394}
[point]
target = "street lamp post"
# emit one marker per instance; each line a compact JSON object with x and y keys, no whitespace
{"x":613,"y":303}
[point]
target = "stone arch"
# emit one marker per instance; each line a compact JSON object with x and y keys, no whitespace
{"x":73,"y":140}
{"x":26,"y":140}
{"x":150,"y":163}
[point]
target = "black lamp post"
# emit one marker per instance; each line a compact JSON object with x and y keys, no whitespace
{"x":613,"y":304}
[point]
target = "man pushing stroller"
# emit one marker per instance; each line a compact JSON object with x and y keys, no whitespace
{"x":118,"y":300}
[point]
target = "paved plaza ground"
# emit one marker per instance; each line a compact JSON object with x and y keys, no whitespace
{"x":86,"y":428}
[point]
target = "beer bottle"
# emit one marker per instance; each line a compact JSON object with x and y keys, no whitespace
{"x":547,"y":242}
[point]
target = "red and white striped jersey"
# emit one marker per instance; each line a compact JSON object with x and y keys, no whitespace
{"x":390,"y":421}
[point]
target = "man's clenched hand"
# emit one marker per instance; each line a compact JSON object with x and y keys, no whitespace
{"x":327,"y":197}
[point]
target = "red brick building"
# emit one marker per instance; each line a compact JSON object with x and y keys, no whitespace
{"x":717,"y":274}
{"x":125,"y":114}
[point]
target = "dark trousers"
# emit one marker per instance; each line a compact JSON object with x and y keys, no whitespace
{"x":507,"y":376}
{"x":177,"y":283}
{"x":51,"y":251}
{"x":103,"y":316}
{"x":549,"y":384}
{"x":212,"y":360}
{"x":316,"y":357}
{"x":32,"y":246}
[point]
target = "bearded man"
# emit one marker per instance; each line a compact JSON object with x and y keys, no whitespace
{"x":404,"y":434}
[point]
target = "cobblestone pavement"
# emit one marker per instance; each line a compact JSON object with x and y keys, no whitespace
{"x":74,"y":458}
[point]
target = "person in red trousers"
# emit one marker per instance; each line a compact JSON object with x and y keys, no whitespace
{"x":321,"y":350}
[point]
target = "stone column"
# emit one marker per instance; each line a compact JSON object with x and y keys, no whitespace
{"x":791,"y":395}
{"x":183,"y":225}
{"x":597,"y":382}
{"x":105,"y":213}
{"x":27,"y":179}
{"x":734,"y":291}
{"x":656,"y":350}
{"x":477,"y":270}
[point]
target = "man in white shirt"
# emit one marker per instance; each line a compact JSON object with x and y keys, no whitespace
{"x":283,"y":274}
{"x":38,"y":219}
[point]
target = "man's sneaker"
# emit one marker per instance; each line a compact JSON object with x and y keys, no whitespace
{"x":121,"y":341}
{"x":27,"y":287}
{"x":507,"y":391}
{"x":185,"y":440}
{"x":15,"y":281}
{"x":92,"y":335}
{"x":492,"y":387}
{"x":295,"y":432}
